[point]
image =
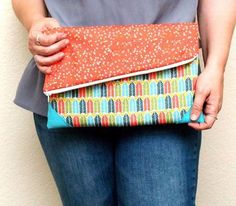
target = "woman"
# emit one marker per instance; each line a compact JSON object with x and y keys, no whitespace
{"x":147,"y":165}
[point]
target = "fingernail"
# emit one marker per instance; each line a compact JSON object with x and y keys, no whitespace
{"x":67,"y":41}
{"x":193,"y":117}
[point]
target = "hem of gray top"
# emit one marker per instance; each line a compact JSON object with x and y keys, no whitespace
{"x":27,"y":107}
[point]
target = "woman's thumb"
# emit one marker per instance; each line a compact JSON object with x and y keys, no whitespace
{"x":197,"y":106}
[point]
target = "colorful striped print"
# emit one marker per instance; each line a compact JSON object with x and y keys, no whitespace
{"x":126,"y":119}
{"x":105,"y":105}
{"x":155,"y":98}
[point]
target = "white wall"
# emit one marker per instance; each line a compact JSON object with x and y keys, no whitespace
{"x":25,"y":178}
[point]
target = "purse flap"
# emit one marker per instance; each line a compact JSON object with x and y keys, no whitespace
{"x":104,"y":53}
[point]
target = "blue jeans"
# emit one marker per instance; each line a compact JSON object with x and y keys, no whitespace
{"x":125,"y":166}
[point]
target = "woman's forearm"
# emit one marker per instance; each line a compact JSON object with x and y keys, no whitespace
{"x":27,"y":11}
{"x":216,"y":20}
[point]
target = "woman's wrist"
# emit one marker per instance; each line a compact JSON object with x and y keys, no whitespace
{"x":216,"y":65}
{"x":219,"y":69}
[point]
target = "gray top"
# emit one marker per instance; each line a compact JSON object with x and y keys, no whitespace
{"x":29,"y":94}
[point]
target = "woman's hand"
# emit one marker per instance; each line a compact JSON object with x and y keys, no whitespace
{"x":208,"y":97}
{"x":46,"y":48}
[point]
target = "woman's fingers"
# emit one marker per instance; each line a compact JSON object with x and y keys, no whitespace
{"x":44,"y":69}
{"x":48,"y":52}
{"x":208,"y":97}
{"x":52,"y":49}
{"x":47,"y":61}
{"x":209,"y":121}
{"x":43,"y":41}
{"x":198,"y":104}
{"x":46,"y":48}
{"x":210,"y":110}
{"x":47,"y":40}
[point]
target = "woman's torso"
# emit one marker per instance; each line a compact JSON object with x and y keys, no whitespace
{"x":29,"y":94}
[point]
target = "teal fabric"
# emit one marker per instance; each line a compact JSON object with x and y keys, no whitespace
{"x":54,"y":119}
{"x":187,"y":117}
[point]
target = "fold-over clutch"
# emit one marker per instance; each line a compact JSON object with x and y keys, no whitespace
{"x":124,"y":75}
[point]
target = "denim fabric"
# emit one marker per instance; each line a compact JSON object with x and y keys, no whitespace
{"x":124,"y":166}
